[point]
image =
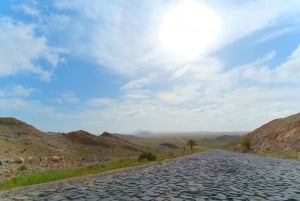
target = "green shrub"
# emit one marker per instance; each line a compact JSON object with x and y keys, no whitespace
{"x":246,"y":143}
{"x":23,"y":167}
{"x":147,"y":156}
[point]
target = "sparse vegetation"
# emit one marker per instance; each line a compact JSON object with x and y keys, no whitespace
{"x":246,"y":144}
{"x":293,"y":156}
{"x":23,"y":167}
{"x":191,"y":143}
{"x":148,"y":156}
{"x":43,"y":177}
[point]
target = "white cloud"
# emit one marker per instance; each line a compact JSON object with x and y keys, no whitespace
{"x":107,"y":32}
{"x":171,"y":98}
{"x":137,"y":94}
{"x":68,"y":97}
{"x":26,"y":9}
{"x":21,"y":49}
{"x":180,"y":72}
{"x":98,"y":102}
{"x":254,"y":105}
{"x":11,"y":104}
{"x":288,"y":71}
{"x":249,"y":17}
{"x":108,"y":35}
{"x":242,"y":108}
{"x":275,"y":34}
{"x":142,"y":82}
{"x":16,"y":91}
{"x":213,"y":108}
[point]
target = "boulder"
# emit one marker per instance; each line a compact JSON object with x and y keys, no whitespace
{"x":57,"y":158}
{"x":29,"y":160}
{"x":1,"y":161}
{"x":5,"y":172}
{"x":17,"y":159}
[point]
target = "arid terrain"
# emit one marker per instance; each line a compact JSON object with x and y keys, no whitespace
{"x":23,"y":144}
{"x":280,"y":137}
{"x":25,"y":149}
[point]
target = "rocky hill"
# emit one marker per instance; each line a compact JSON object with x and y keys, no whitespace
{"x":22,"y":143}
{"x":107,"y":140}
{"x":18,"y":137}
{"x":280,"y":136}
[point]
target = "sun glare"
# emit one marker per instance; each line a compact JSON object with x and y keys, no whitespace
{"x":188,"y":29}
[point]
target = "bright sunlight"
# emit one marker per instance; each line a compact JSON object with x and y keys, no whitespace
{"x":187,"y":29}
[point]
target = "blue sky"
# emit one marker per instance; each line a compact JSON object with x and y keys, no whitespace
{"x":124,"y":66}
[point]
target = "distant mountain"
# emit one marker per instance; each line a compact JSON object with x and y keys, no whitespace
{"x":281,"y":136}
{"x":146,"y":134}
{"x":143,"y":134}
{"x":107,"y":140}
{"x":227,"y":137}
{"x":126,"y":137}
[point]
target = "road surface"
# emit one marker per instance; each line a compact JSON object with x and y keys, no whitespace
{"x":213,"y":175}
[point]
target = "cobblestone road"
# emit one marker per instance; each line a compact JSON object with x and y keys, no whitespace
{"x":213,"y":175}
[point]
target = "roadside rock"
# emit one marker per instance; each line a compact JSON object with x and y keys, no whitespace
{"x":5,"y":173}
{"x":29,"y":160}
{"x":57,"y":158}
{"x":17,"y":159}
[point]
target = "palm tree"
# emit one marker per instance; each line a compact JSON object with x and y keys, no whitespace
{"x":191,"y":143}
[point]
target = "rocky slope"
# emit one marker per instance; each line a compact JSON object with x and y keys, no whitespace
{"x":23,"y":144}
{"x":16,"y":136}
{"x":280,"y":136}
{"x":106,"y":140}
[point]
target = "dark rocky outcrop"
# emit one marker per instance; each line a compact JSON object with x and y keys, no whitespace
{"x":169,"y":146}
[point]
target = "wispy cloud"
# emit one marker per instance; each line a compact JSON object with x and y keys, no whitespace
{"x":275,"y":34}
{"x":68,"y":97}
{"x":16,"y":91}
{"x":287,"y":72}
{"x":100,"y":102}
{"x":21,"y":49}
{"x":142,"y":82}
{"x":26,"y":9}
{"x":102,"y":37}
{"x":249,"y":17}
{"x":171,"y":97}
